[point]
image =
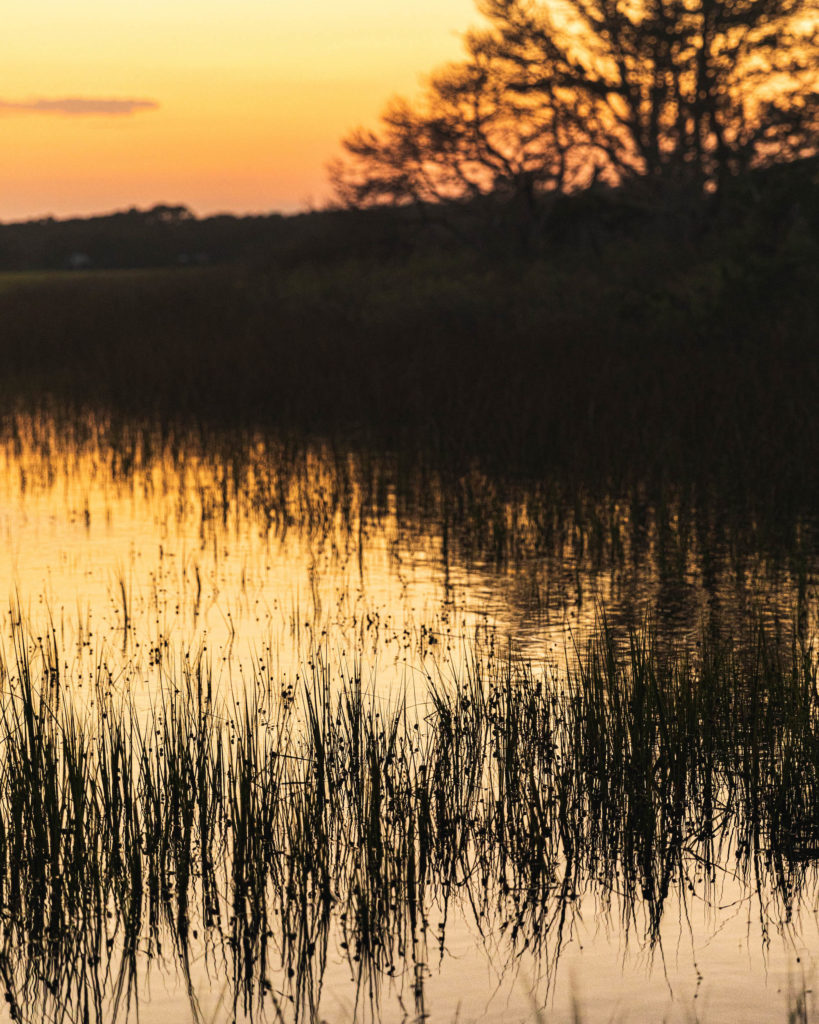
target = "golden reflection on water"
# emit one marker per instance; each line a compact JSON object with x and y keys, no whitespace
{"x":142,"y":552}
{"x":135,"y":568}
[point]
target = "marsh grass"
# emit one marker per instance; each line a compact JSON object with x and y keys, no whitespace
{"x":677,"y":368}
{"x":270,"y":834}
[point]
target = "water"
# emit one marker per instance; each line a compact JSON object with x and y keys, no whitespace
{"x":141,"y":553}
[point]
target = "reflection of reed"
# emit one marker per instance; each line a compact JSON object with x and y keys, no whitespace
{"x":537,"y":550}
{"x":259,"y":840}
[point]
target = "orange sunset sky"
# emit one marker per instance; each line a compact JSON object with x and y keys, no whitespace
{"x":224,"y":106}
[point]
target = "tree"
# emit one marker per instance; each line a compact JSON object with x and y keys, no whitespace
{"x":475,"y":138}
{"x":679,"y":93}
{"x":685,"y":91}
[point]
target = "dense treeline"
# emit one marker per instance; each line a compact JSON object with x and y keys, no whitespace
{"x":761,"y":211}
{"x":172,"y":236}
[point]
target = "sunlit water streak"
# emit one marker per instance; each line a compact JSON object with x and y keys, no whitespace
{"x":140,"y":560}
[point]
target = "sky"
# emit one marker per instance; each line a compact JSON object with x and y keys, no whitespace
{"x":222,"y":105}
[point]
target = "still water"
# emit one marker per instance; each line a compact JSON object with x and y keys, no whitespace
{"x":141,"y":552}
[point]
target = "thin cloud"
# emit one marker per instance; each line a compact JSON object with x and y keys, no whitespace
{"x":78,"y":106}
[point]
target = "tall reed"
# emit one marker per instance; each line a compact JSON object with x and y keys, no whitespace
{"x":270,"y":834}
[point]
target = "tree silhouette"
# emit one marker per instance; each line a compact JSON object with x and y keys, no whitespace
{"x":692,"y":91}
{"x":682,"y":94}
{"x":475,"y":136}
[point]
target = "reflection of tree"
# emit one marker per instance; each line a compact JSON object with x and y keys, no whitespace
{"x":684,"y":93}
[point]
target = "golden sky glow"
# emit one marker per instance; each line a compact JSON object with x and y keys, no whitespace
{"x":253,"y":96}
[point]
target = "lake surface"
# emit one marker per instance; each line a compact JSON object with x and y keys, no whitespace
{"x":141,"y":553}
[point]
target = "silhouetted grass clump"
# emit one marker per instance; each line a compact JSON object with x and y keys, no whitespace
{"x":270,"y":834}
